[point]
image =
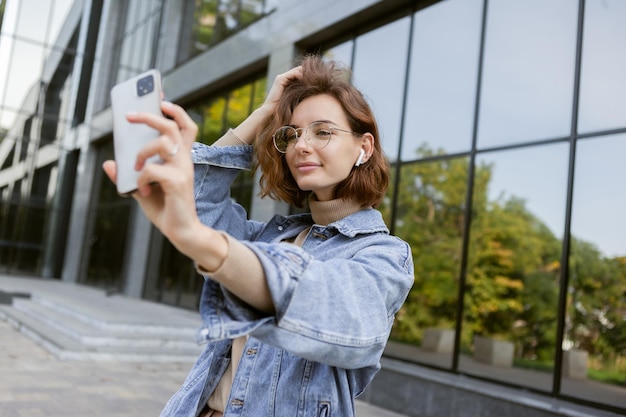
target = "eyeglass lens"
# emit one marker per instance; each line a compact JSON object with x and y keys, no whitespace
{"x":318,"y":134}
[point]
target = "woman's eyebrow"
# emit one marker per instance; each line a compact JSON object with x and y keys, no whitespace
{"x":314,"y":121}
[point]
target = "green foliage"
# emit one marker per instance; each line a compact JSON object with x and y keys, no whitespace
{"x":513,"y":269}
{"x":614,"y":377}
{"x":512,"y":276}
{"x":215,"y":20}
{"x":430,"y":216}
{"x":211,"y":123}
{"x":596,"y":302}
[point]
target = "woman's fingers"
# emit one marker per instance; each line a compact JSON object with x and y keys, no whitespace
{"x":164,"y":146}
{"x":188,"y":128}
{"x":178,"y":132}
{"x":110,"y":168}
{"x":280,"y":82}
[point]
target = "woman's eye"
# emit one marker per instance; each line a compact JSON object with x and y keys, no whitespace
{"x":323,"y":133}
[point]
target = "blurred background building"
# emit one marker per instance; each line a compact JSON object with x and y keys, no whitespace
{"x":504,"y":121}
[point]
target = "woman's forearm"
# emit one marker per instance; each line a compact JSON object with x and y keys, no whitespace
{"x":246,"y":130}
{"x":232,"y":264}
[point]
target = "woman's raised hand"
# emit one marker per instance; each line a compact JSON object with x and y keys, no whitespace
{"x":165,"y":191}
{"x":278,"y":86}
{"x":247,"y":130}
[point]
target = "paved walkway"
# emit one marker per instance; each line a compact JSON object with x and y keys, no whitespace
{"x":34,"y":383}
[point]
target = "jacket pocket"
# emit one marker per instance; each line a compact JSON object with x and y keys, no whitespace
{"x":323,"y":409}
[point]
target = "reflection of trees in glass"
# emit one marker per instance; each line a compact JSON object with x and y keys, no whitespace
{"x":210,"y":119}
{"x":2,"y":4}
{"x":512,"y":278}
{"x":215,"y":20}
{"x":430,"y":216}
{"x":239,"y":105}
{"x":508,"y":247}
{"x":596,"y":319}
{"x":512,"y":271}
{"x":215,"y":116}
{"x":205,"y":20}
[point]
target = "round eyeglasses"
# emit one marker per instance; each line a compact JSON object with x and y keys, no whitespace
{"x":318,"y":134}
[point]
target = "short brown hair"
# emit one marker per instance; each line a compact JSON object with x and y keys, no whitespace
{"x":367,"y":183}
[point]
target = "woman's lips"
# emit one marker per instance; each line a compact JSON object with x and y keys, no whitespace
{"x":306,"y":166}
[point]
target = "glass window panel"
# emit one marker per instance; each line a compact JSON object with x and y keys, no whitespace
{"x":260,"y":87}
{"x":250,"y":10}
{"x":8,"y":229}
{"x":33,"y":18}
{"x":603,"y":73}
{"x":204,"y":20}
{"x":24,"y":71}
{"x":595,"y":333}
{"x":107,"y":235}
{"x":341,"y":53}
{"x":239,"y":105}
{"x":61,"y":9}
{"x":31,"y":225}
{"x":213,"y":20}
{"x":597,"y":215}
{"x":430,"y":217}
{"x":528,"y":75}
{"x":379,"y":72}
{"x":510,"y":307}
{"x":442,"y":79}
{"x":9,"y":138}
{"x":6,"y":46}
{"x":2,"y":7}
{"x":179,"y":283}
{"x":136,"y":42}
{"x":210,"y":119}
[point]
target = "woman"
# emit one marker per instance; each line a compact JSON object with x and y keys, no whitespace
{"x":297,"y":310}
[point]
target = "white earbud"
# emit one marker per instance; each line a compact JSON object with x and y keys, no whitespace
{"x":360,"y":160}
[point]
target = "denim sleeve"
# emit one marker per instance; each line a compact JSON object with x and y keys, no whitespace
{"x":338,"y":311}
{"x":215,"y":168}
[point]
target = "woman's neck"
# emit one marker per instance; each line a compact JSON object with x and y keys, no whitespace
{"x":327,"y":212}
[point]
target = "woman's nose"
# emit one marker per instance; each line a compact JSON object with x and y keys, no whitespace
{"x":303,"y":141}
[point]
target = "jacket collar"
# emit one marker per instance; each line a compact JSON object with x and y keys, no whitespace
{"x":362,"y":222}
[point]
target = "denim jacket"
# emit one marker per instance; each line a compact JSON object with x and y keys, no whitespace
{"x":335,"y":299}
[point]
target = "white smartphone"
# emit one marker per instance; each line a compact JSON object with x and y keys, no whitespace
{"x":141,"y":93}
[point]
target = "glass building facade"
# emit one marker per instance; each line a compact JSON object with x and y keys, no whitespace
{"x":504,"y":122}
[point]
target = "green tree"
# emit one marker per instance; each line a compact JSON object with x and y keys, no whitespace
{"x":508,"y":245}
{"x":596,"y":302}
{"x":430,"y":216}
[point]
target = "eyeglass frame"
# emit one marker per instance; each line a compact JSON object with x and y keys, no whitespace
{"x":304,"y":132}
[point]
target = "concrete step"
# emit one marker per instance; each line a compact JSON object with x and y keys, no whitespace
{"x":90,"y":332}
{"x":68,"y":348}
{"x":77,"y":322}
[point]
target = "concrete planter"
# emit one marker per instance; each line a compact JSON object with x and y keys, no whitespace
{"x":438,"y":340}
{"x":575,"y":364}
{"x":493,"y":352}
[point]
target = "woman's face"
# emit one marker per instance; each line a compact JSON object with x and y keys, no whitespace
{"x":320,"y":170}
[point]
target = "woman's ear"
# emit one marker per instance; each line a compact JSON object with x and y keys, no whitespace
{"x":359,"y":161}
{"x":367,"y":147}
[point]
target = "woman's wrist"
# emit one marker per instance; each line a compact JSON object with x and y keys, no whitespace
{"x":247,"y":130}
{"x":207,"y":247}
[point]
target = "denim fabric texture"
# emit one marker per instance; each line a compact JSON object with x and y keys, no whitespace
{"x":335,"y":299}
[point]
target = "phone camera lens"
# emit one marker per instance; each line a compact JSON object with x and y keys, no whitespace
{"x":145,"y":85}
